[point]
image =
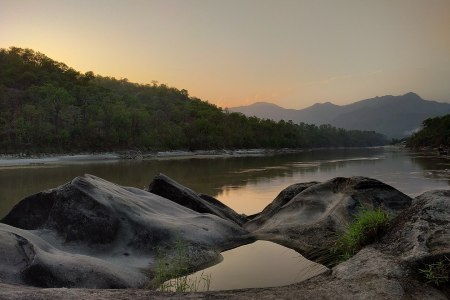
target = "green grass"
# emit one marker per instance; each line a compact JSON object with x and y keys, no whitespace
{"x":171,"y":271}
{"x":437,"y":273}
{"x":366,"y":227}
{"x":187,"y":284}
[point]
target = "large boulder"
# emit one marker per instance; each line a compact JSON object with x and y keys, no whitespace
{"x":172,"y":190}
{"x":28,"y":259}
{"x":283,"y":197}
{"x":421,"y":234}
{"x":417,"y":237}
{"x":109,"y":227}
{"x":310,"y":221}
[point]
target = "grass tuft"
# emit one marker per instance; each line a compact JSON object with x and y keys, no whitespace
{"x":171,"y":272}
{"x":437,"y":273}
{"x":187,"y":284}
{"x":367,"y":226}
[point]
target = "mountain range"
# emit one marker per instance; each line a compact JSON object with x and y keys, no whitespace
{"x":393,"y":116}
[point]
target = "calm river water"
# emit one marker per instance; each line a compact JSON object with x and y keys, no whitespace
{"x":246,"y":184}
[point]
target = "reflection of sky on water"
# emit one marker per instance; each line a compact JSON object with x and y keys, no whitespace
{"x":260,"y":264}
{"x":247,"y":184}
{"x":410,"y":173}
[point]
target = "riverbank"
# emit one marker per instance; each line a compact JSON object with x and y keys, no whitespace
{"x":14,"y":160}
{"x":325,"y":286}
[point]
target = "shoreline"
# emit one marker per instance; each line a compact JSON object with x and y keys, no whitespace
{"x":43,"y":159}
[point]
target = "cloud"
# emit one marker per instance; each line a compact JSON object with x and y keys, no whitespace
{"x":411,"y":132}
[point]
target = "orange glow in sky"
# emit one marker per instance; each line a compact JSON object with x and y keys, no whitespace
{"x":235,"y":52}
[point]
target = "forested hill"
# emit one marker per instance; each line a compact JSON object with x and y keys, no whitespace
{"x":435,"y":132}
{"x":46,"y":106}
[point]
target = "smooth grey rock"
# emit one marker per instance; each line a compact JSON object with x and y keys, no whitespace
{"x":283,"y":197}
{"x":172,"y":190}
{"x":310,"y":221}
{"x":374,"y":262}
{"x":26,"y":258}
{"x":110,"y":226}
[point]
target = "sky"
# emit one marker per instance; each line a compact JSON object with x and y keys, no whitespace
{"x":293,"y":53}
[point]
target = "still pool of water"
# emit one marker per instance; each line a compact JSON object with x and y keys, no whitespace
{"x":261,"y":264}
{"x":246,"y":184}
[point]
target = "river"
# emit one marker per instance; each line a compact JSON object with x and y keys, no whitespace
{"x":246,"y":184}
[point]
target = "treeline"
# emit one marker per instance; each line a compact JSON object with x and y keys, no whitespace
{"x":435,"y":132}
{"x":46,"y":106}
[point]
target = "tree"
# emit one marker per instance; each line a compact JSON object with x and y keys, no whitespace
{"x":47,"y":106}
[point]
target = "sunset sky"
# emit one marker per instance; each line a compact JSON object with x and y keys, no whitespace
{"x":236,"y":52}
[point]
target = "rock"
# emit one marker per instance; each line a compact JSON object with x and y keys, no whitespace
{"x":131,"y":154}
{"x":283,"y":197}
{"x":417,"y":236}
{"x":172,"y":190}
{"x":327,"y":286}
{"x":52,"y":253}
{"x":311,"y":220}
{"x":422,"y":232}
{"x":104,"y":228}
{"x":28,"y":259}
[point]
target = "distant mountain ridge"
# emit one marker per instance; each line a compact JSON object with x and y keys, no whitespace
{"x":393,"y":116}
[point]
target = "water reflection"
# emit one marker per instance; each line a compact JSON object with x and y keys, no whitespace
{"x":247,"y":184}
{"x":261,"y":264}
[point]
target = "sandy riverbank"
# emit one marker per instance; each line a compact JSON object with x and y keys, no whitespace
{"x":51,"y":159}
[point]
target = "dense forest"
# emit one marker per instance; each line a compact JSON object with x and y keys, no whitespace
{"x":435,"y":132}
{"x":46,"y":106}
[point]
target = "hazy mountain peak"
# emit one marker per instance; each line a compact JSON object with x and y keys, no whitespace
{"x":262,"y":103}
{"x":324,"y":104}
{"x":258,"y":106}
{"x":412,"y":95}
